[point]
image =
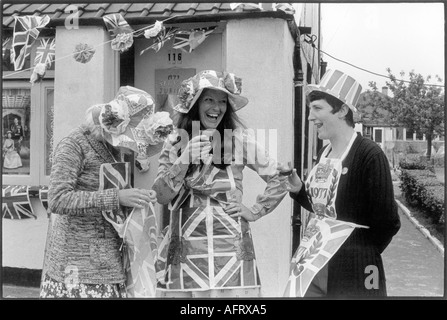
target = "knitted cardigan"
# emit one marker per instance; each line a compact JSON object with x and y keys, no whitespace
{"x":82,"y":244}
{"x":365,"y":196}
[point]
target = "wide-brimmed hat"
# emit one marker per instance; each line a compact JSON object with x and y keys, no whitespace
{"x":120,"y":119}
{"x":339,"y":85}
{"x":192,"y":88}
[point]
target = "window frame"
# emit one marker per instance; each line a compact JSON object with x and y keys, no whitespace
{"x":38,"y":115}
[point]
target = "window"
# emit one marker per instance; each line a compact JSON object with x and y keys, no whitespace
{"x":27,"y":111}
{"x":399,"y":133}
{"x":27,"y":122}
{"x":409,"y":135}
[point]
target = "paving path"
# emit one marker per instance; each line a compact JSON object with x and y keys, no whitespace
{"x":413,"y":265}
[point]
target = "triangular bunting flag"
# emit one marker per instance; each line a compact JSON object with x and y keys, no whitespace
{"x":161,"y":38}
{"x":116,"y":24}
{"x":187,"y":41}
{"x":26,"y":31}
{"x":321,"y":240}
{"x":45,"y":52}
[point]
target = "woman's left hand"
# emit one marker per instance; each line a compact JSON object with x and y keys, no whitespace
{"x":235,"y":210}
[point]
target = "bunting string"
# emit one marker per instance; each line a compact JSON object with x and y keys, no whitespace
{"x":96,"y":46}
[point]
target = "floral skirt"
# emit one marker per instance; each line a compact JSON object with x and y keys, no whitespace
{"x":51,"y":288}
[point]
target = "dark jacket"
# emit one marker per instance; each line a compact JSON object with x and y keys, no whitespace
{"x":365,"y":196}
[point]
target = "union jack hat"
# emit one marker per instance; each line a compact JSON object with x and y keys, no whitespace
{"x":192,"y":88}
{"x":339,"y":85}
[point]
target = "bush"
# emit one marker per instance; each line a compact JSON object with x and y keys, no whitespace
{"x":413,"y":163}
{"x":421,"y":188}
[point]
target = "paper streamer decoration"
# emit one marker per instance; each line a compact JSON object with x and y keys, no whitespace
{"x":122,"y":42}
{"x":286,"y":7}
{"x":16,"y":203}
{"x":26,"y":31}
{"x":83,"y":53}
{"x":154,"y":30}
{"x":234,"y":6}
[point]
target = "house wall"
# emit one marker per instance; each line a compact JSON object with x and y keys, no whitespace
{"x":260,"y":51}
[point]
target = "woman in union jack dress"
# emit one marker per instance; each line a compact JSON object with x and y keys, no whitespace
{"x":207,"y":250}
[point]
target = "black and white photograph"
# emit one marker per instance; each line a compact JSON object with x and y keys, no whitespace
{"x":223,"y":156}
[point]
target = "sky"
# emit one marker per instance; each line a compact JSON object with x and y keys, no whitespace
{"x":377,"y":36}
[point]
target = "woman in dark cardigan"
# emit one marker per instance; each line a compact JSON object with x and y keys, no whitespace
{"x":364,"y":195}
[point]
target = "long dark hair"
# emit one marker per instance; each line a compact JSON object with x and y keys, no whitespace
{"x":230,"y":120}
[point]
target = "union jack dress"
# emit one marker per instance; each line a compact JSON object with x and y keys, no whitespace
{"x":204,"y":248}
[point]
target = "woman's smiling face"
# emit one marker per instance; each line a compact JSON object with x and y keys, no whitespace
{"x":326,"y":122}
{"x":212,"y":107}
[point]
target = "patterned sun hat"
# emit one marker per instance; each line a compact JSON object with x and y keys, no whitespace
{"x":120,"y":119}
{"x":192,"y":88}
{"x":339,"y":85}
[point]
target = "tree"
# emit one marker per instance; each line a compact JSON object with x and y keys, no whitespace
{"x":417,"y":106}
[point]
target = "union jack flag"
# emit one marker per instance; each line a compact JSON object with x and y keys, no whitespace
{"x":26,"y":31}
{"x":187,"y":41}
{"x":116,"y":24}
{"x":46,"y":51}
{"x":212,"y":252}
{"x":162,"y":37}
{"x":16,"y":203}
{"x":114,"y":175}
{"x":140,"y":237}
{"x":321,"y":240}
{"x":43,"y":196}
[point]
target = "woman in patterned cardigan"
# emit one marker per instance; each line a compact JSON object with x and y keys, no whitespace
{"x":83,"y":257}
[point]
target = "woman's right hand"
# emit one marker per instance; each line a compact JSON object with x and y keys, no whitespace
{"x":197,"y":148}
{"x":136,"y":198}
{"x":291,"y":182}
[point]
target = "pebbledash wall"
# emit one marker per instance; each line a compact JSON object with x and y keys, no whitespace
{"x":242,"y":47}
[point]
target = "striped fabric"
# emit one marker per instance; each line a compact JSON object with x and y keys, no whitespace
{"x":341,"y":86}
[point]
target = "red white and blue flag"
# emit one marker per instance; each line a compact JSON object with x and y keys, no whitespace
{"x":16,"y":203}
{"x":114,"y":176}
{"x":321,"y":240}
{"x":43,"y":196}
{"x":116,"y":24}
{"x":26,"y":31}
{"x":212,"y":239}
{"x":46,"y":52}
{"x":140,"y":237}
{"x":159,"y":41}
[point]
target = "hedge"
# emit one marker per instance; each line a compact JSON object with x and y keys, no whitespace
{"x":421,"y":188}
